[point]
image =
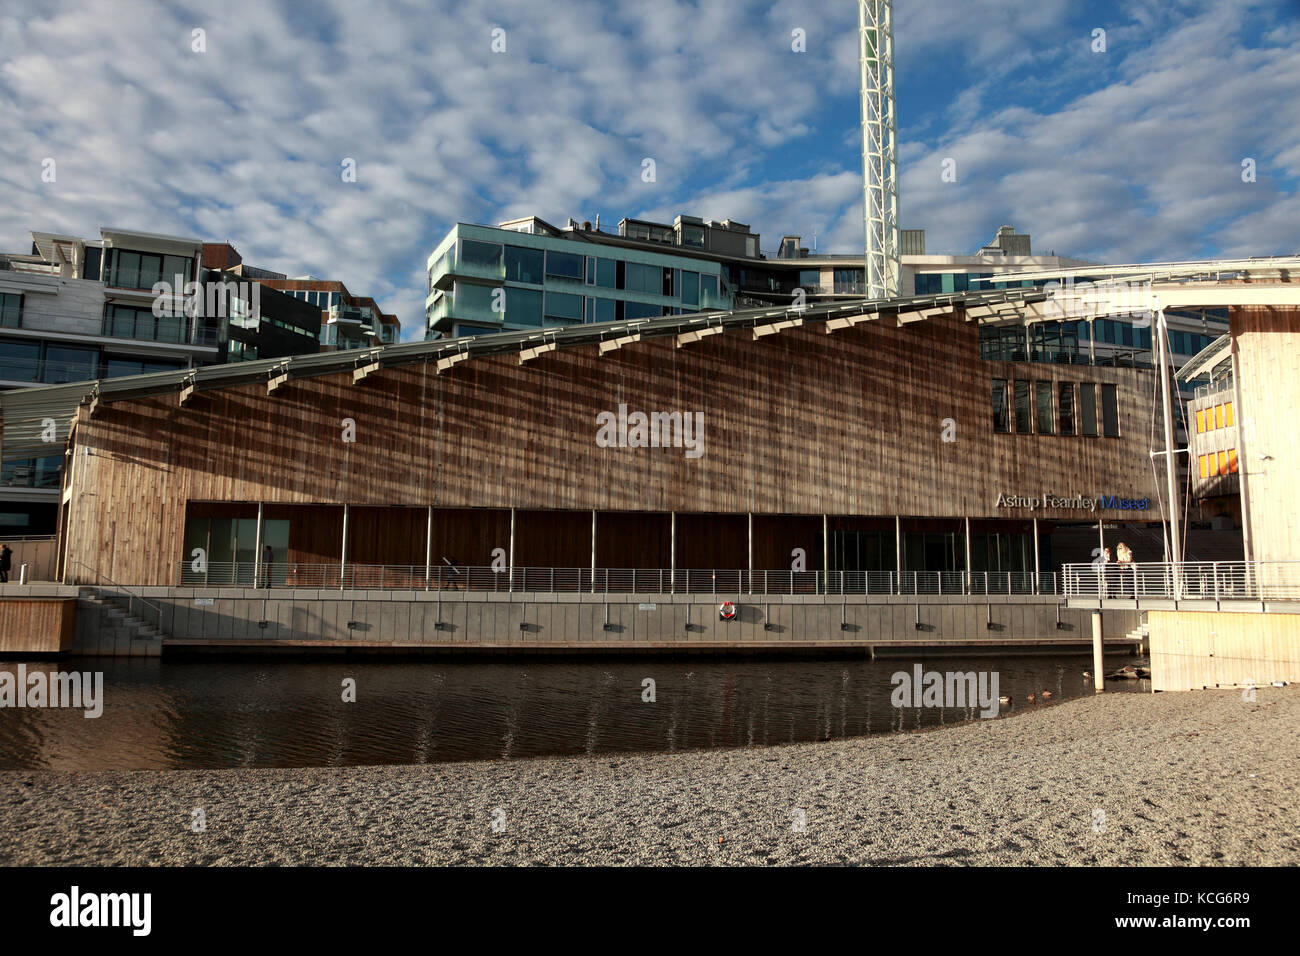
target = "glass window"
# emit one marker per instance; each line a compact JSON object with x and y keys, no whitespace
{"x":640,"y":310}
{"x":11,"y":310}
{"x":1205,"y":467}
{"x":604,"y":310}
{"x":524,"y":307}
{"x":174,"y":266}
{"x":151,"y":271}
{"x":116,"y":368}
{"x":1223,"y":462}
{"x":524,"y":265}
{"x":1109,"y":411}
{"x":1200,"y":421}
{"x":19,"y":361}
{"x":640,"y":278}
{"x":1000,"y":420}
{"x":1088,"y":409}
{"x":561,"y":307}
{"x":690,"y":288}
{"x":484,"y":255}
{"x":1046,"y":413}
{"x":709,"y":292}
{"x":810,"y":279}
{"x":65,"y":364}
{"x":606,"y":273}
{"x":127,"y":273}
{"x":1024,"y":417}
{"x":1232,"y":461}
{"x":565,"y":265}
{"x":1066,"y":407}
{"x":1218,"y":416}
{"x":470,"y":299}
{"x":693,"y":236}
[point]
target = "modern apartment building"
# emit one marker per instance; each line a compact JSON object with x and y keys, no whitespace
{"x":347,"y":321}
{"x":528,"y":274}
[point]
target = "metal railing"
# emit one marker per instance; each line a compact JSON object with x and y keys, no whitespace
{"x":248,"y":574}
{"x":131,"y":597}
{"x":1185,"y":581}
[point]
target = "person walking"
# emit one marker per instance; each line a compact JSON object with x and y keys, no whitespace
{"x":6,"y":562}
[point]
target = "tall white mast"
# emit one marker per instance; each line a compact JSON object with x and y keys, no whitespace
{"x":879,"y":148}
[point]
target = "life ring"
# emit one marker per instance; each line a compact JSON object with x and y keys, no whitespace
{"x":727,"y":612}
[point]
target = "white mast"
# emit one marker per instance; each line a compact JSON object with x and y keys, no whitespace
{"x":879,"y":148}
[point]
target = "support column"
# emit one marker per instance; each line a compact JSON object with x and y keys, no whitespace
{"x":1037,"y":565}
{"x":511,"y":583}
{"x":751,"y":551}
{"x":898,"y":553}
{"x":1092,"y":347}
{"x":1248,"y":550}
{"x":672,"y":555}
{"x":428,"y":549}
{"x":1175,"y":532}
{"x":826,"y":554}
{"x":1098,"y":660}
{"x":343,"y":560}
{"x":970,"y":578}
{"x":593,"y":550}
{"x":257,"y":553}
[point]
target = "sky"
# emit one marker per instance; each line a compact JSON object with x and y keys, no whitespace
{"x":1116,"y":146}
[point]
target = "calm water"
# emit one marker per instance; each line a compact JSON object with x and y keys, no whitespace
{"x":218,"y":713}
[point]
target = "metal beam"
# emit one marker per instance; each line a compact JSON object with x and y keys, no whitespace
{"x":450,"y":360}
{"x":686,"y":338}
{"x":527,"y":355}
{"x":775,"y":327}
{"x":609,"y":345}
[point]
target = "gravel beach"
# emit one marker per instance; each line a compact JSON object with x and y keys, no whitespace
{"x":1185,"y":779}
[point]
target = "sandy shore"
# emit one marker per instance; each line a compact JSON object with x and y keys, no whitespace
{"x":1199,"y":778}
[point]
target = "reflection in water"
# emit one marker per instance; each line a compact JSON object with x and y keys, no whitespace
{"x":206,"y":713}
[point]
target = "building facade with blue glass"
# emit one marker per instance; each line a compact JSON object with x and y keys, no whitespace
{"x":527,"y":275}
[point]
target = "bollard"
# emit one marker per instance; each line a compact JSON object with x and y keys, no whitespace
{"x":22,"y":574}
{"x":1098,"y":664}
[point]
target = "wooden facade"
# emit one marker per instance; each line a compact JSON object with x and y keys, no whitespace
{"x":801,"y":423}
{"x":36,"y":625}
{"x":1266,"y":349}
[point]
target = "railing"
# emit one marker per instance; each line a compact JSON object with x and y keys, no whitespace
{"x":1185,"y":581}
{"x":146,"y":327}
{"x":278,"y":574}
{"x":132,"y":597}
{"x":1214,"y":388}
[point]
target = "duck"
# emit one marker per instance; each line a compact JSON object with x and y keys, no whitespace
{"x":1031,"y":698}
{"x":1004,"y":701}
{"x":1046,"y":694}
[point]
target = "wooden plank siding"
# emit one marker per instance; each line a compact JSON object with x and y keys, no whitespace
{"x":36,"y":625}
{"x":1191,"y":650}
{"x":798,"y":423}
{"x":1267,"y":346}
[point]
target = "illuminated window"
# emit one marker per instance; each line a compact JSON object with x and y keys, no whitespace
{"x":1218,"y":416}
{"x":1213,"y":465}
{"x":1205,"y":472}
{"x":1228,"y":414}
{"x":1200,"y":421}
{"x":1223,"y":462}
{"x":1232,"y":461}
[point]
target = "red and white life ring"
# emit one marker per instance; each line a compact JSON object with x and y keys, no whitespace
{"x":727,"y":612}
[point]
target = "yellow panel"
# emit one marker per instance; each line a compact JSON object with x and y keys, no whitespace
{"x":1229,"y":413}
{"x":1200,"y":421}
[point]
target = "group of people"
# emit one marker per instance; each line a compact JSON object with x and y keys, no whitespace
{"x":1124,"y":558}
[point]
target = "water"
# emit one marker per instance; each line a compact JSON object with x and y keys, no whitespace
{"x":277,"y":712}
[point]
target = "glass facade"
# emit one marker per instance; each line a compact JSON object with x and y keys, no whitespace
{"x":549,"y":281}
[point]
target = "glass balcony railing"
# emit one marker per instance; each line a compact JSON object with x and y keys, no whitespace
{"x":147,"y":327}
{"x":31,"y":473}
{"x":457,"y":264}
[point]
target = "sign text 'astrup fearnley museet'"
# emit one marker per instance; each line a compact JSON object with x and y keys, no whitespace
{"x":1046,"y":501}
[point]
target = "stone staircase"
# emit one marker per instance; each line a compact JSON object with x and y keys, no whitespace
{"x":1140,"y":634}
{"x":106,"y":628}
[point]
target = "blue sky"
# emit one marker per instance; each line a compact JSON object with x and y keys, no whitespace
{"x":1132,"y":154}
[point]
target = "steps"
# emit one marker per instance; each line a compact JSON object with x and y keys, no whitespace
{"x":107,"y":629}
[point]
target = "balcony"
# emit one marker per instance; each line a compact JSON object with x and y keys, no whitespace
{"x":352,"y":314}
{"x":456,"y":265}
{"x":147,"y":327}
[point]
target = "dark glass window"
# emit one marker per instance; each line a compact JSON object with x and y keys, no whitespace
{"x":1001,"y":423}
{"x":690,"y":288}
{"x":606,"y":274}
{"x":644,"y":278}
{"x":566,"y":265}
{"x":65,"y":364}
{"x":1109,"y":411}
{"x":604,"y":310}
{"x":639,"y":310}
{"x":20,"y":361}
{"x":524,"y":307}
{"x":1088,"y":409}
{"x":709,"y":292}
{"x":11,"y":310}
{"x":1024,"y":414}
{"x":1046,"y":416}
{"x":1066,"y":407}
{"x":561,"y":307}
{"x":524,"y":265}
{"x":485,"y":255}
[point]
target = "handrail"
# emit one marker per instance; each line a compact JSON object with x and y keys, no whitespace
{"x":132,"y":596}
{"x":442,"y":577}
{"x":1217,"y":581}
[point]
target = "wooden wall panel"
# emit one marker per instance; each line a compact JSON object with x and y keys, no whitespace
{"x":1267,"y":346}
{"x":36,"y":625}
{"x":1191,"y":650}
{"x":797,"y":423}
